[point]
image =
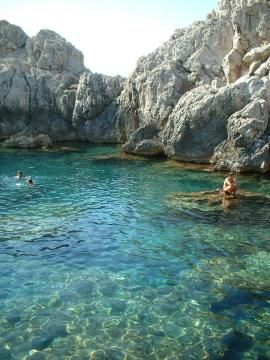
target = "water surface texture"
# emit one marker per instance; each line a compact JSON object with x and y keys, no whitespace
{"x":96,"y":263}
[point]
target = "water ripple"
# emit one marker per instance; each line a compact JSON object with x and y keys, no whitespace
{"x":94,"y":264}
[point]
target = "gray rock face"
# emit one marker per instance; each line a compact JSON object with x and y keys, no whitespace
{"x":190,"y":58}
{"x":247,"y":147}
{"x":203,"y":96}
{"x":95,"y":92}
{"x":195,"y":118}
{"x":107,"y":127}
{"x":12,"y":38}
{"x":145,"y":141}
{"x":40,"y":83}
{"x":210,"y":76}
{"x":49,"y":51}
{"x":199,"y":122}
{"x":250,"y":21}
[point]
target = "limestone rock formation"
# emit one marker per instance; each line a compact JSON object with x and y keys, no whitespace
{"x":248,"y":145}
{"x":49,"y":51}
{"x":199,"y":122}
{"x":90,"y":115}
{"x":214,"y":69}
{"x":202,"y":97}
{"x":191,"y":57}
{"x":12,"y":39}
{"x":145,"y":141}
{"x":250,"y":21}
{"x":39,"y":81}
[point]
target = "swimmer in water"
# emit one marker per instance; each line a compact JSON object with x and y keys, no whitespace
{"x":19,"y":175}
{"x":30,"y":182}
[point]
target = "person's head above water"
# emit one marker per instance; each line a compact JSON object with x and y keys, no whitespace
{"x":19,"y":174}
{"x":30,"y":181}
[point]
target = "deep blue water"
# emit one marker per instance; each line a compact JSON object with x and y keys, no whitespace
{"x":98,"y":262}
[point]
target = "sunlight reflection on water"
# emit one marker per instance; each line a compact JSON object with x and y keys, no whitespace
{"x":96,"y":264}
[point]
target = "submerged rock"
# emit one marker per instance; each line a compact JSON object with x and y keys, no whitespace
{"x":108,"y":354}
{"x":237,"y":343}
{"x":252,"y":275}
{"x":42,"y":343}
{"x":13,"y":318}
{"x":213,"y":200}
{"x":117,"y":158}
{"x":54,"y":331}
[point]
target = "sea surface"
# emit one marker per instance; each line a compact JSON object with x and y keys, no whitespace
{"x":97,"y":262}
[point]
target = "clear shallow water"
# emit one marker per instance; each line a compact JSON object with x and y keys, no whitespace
{"x":95,"y":264}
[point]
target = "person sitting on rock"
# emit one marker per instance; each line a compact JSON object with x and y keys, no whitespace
{"x":230,"y":185}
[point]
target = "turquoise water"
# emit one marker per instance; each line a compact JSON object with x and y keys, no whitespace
{"x":96,"y":263}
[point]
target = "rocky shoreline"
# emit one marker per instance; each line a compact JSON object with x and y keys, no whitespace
{"x":202,"y":97}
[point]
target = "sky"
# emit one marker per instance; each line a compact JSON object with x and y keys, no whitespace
{"x":112,"y":34}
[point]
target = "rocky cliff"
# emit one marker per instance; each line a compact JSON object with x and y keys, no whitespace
{"x":45,"y":89}
{"x":203,"y":96}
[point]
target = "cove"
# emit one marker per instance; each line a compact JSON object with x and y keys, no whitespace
{"x":98,"y":260}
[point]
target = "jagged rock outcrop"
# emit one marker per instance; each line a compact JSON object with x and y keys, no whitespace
{"x":95,"y":93}
{"x":203,"y":96}
{"x":49,"y":51}
{"x":250,"y":21}
{"x":199,"y":122}
{"x":12,"y":38}
{"x":40,"y":83}
{"x":191,"y":57}
{"x":248,"y":145}
{"x":145,"y":141}
{"x":222,"y":69}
